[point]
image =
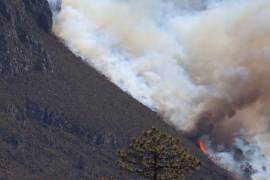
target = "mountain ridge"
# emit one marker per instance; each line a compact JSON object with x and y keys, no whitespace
{"x":59,"y":118}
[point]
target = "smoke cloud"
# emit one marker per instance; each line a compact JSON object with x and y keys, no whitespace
{"x":203,"y":65}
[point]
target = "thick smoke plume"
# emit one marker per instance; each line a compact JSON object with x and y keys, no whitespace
{"x":203,"y":65}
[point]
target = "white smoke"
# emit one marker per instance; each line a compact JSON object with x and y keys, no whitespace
{"x":246,"y":160}
{"x":185,"y":59}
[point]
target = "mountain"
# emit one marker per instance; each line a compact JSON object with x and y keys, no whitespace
{"x":60,"y":118}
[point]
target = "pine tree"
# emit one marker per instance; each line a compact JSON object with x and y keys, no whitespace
{"x":158,"y":156}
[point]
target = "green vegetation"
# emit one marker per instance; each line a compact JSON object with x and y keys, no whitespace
{"x":158,"y":156}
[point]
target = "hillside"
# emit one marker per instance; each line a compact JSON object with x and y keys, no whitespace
{"x":59,"y":118}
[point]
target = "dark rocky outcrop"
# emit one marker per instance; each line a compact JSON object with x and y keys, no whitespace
{"x":59,"y":118}
{"x":21,"y":49}
{"x":40,"y":12}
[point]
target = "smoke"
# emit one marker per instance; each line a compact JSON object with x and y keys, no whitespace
{"x":203,"y":65}
{"x":55,"y":6}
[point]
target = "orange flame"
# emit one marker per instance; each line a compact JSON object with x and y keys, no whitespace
{"x":203,"y":147}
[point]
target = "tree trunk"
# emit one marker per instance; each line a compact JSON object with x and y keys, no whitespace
{"x":155,"y":168}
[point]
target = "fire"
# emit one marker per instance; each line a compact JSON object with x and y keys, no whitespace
{"x":215,"y":160}
{"x":205,"y":150}
{"x":203,"y":147}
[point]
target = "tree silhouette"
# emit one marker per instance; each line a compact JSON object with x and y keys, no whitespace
{"x":158,"y":156}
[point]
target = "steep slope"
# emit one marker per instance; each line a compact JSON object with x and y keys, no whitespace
{"x":59,"y":118}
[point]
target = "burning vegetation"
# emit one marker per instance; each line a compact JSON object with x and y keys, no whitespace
{"x":246,"y":168}
{"x":202,"y":68}
{"x":203,"y":147}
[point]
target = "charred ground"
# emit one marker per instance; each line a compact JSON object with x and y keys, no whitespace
{"x":59,"y":118}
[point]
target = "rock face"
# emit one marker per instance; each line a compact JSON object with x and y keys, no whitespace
{"x":40,"y":12}
{"x":21,"y":50}
{"x":59,"y":118}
